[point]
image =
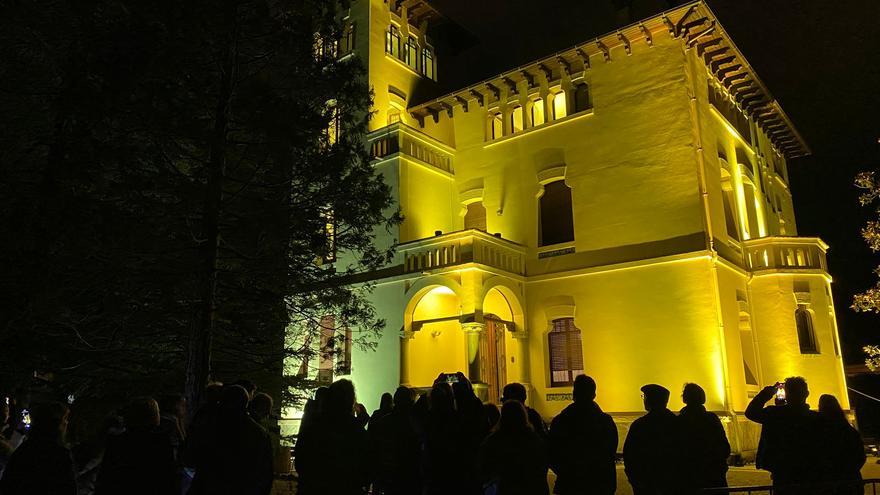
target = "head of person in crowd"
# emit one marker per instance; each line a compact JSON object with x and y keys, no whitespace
{"x":386,"y":403}
{"x":441,"y":399}
{"x":584,"y":389}
{"x":249,"y":386}
{"x":234,"y":401}
{"x":830,"y":408}
{"x":261,"y":406}
{"x":213,"y":393}
{"x":655,"y":397}
{"x":693,"y":395}
{"x":514,"y":418}
{"x":173,"y":405}
{"x":403,"y":398}
{"x":340,"y":399}
{"x":796,"y":390}
{"x":48,"y":419}
{"x":514,"y":391}
{"x":141,"y":413}
{"x":493,"y":415}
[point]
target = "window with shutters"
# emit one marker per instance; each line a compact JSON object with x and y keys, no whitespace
{"x":566,"y":352}
{"x":475,"y":218}
{"x":806,"y":333}
{"x":556,"y":218}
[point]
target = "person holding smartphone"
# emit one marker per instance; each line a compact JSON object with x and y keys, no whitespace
{"x":791,"y":436}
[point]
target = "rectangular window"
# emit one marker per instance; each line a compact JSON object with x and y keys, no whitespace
{"x":566,"y":352}
{"x":428,"y":63}
{"x":392,"y":41}
{"x":412,"y":52}
{"x":346,"y":44}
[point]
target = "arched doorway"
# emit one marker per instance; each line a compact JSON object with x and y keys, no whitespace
{"x":499,"y":325}
{"x":436,"y":343}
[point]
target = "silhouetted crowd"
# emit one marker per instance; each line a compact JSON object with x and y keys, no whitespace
{"x":230,"y":447}
{"x":448,"y":442}
{"x":445,"y":441}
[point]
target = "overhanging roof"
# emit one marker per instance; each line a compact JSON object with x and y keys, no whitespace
{"x":696,"y":26}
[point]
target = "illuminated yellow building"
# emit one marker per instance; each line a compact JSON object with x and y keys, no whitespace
{"x":620,"y":208}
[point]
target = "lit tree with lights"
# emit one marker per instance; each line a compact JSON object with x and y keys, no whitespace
{"x":869,"y":300}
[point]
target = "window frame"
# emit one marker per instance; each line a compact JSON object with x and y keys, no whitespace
{"x":564,"y":328}
{"x":808,"y":341}
{"x":542,"y":240}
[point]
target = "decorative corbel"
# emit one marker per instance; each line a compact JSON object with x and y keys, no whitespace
{"x":420,"y":118}
{"x":685,"y":30}
{"x":481,"y":100}
{"x":647,"y":34}
{"x":713,"y":67}
{"x":434,"y":114}
{"x":605,"y":52}
{"x":625,"y":41}
{"x":447,"y":107}
{"x":678,"y":26}
{"x":585,"y":58}
{"x":723,"y":72}
{"x":728,"y":81}
{"x":735,"y":88}
{"x":548,"y":74}
{"x":494,"y":89}
{"x":709,"y":56}
{"x":693,"y":39}
{"x":530,"y":79}
{"x":463,"y":102}
{"x":511,"y":86}
{"x":669,"y":26}
{"x":566,"y":67}
{"x":701,"y":47}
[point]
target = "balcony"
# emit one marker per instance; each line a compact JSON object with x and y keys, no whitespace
{"x":462,"y":247}
{"x":786,"y":254}
{"x":401,"y":139}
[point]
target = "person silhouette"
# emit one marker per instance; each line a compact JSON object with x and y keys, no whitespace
{"x":514,"y":458}
{"x":386,"y":405}
{"x":652,"y":453}
{"x":236,"y":456}
{"x":582,"y":444}
{"x":789,"y":446}
{"x":394,"y":448}
{"x":704,"y":441}
{"x":475,"y":429}
{"x":331,"y":455}
{"x":41,"y":464}
{"x":517,"y":391}
{"x":844,"y":448}
{"x":444,"y":442}
{"x":141,"y":459}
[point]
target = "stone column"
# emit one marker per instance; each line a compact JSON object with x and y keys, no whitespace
{"x":406,"y":338}
{"x":473,"y":332}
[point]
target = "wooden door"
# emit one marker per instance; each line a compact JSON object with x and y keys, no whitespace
{"x":493,"y":358}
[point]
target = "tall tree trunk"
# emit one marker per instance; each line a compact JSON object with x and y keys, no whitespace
{"x":198,"y":363}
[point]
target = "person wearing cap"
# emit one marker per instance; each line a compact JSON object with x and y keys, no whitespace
{"x":517,"y":391}
{"x":652,"y":453}
{"x":705,"y":443}
{"x":583,"y":444}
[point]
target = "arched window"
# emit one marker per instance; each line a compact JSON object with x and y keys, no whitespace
{"x":560,"y":108}
{"x":581,"y":97}
{"x":516,"y":119}
{"x":566,"y":352}
{"x":497,"y":126}
{"x":475,"y":218}
{"x":556,"y":219}
{"x":806,"y":333}
{"x":538,"y":112}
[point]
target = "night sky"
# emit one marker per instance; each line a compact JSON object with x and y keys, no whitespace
{"x":820,"y":59}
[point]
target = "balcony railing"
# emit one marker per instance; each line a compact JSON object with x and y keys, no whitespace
{"x":401,"y":138}
{"x":466,"y":246}
{"x":786,"y":253}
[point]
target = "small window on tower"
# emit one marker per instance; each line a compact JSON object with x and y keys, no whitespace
{"x":497,"y":126}
{"x":516,"y":119}
{"x":538,"y":112}
{"x":560,"y":107}
{"x":806,"y":333}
